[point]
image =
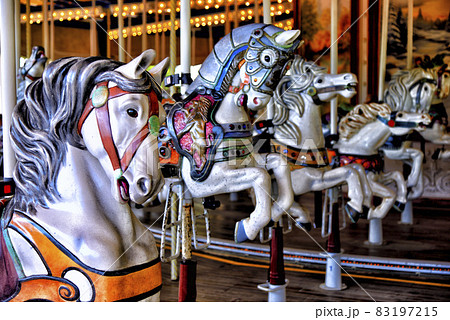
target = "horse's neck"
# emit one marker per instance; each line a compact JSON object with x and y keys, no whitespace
{"x":89,"y":221}
{"x":309,"y":126}
{"x":367,"y":141}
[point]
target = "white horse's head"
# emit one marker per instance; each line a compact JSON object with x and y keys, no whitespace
{"x":34,"y":65}
{"x":122,"y":130}
{"x":401,"y":123}
{"x":267,"y":59}
{"x":411,"y":91}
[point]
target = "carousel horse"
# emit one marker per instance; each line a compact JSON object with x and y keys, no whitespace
{"x":84,"y":150}
{"x":297,"y":134}
{"x":31,"y":70}
{"x":436,"y":132}
{"x":362,"y":132}
{"x":211,"y":128}
{"x":409,"y":91}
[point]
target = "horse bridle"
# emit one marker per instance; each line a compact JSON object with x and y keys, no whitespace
{"x":392,"y":122}
{"x":420,"y":83}
{"x":313,"y":92}
{"x":99,"y":102}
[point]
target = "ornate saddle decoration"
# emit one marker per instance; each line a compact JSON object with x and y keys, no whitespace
{"x":373,"y":163}
{"x":69,"y":279}
{"x":298,"y":158}
{"x":194,"y":133}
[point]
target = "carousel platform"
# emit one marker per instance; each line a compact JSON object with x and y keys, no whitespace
{"x":413,"y":264}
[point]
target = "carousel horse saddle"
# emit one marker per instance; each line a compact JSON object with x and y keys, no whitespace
{"x":193,"y":131}
{"x":69,"y":279}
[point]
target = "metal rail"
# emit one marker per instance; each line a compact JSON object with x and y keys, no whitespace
{"x":315,"y":257}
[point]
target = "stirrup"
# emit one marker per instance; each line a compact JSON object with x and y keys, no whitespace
{"x":268,"y":229}
{"x":194,"y":217}
{"x":327,"y":211}
{"x":175,"y":239}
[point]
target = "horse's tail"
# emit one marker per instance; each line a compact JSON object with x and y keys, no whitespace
{"x":9,"y":279}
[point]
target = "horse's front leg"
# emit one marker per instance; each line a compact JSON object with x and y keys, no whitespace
{"x":365,"y":185}
{"x":282,"y":174}
{"x":387,"y":195}
{"x":224,"y":178}
{"x":399,"y":180}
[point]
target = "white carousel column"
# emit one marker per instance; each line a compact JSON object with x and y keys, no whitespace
{"x":333,"y":277}
{"x":383,"y":49}
{"x":120,"y":31}
{"x":407,"y":214}
{"x":8,"y":75}
{"x":17,"y":35}
{"x":409,"y":44}
{"x":375,"y":232}
{"x":185,"y":39}
{"x":45,"y":34}
{"x":266,"y":12}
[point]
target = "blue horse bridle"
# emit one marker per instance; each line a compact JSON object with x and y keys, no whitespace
{"x":393,"y":123}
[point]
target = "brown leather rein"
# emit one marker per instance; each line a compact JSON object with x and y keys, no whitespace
{"x":99,"y":101}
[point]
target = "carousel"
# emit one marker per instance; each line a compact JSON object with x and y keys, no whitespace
{"x":224,"y":150}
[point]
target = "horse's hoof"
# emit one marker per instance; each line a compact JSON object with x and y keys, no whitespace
{"x":399,"y":206}
{"x":352,"y":213}
{"x":304,"y":225}
{"x":365,"y":212}
{"x":239,"y":232}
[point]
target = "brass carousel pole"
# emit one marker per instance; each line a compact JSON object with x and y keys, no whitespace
{"x":93,"y":32}
{"x":45,"y":34}
{"x":52,"y":31}
{"x":144,"y":26}
{"x":28,"y":29}
{"x":121,"y":38}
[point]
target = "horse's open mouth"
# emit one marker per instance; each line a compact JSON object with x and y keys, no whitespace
{"x":351,"y":86}
{"x":422,"y":125}
{"x":124,"y":189}
{"x":242,"y":100}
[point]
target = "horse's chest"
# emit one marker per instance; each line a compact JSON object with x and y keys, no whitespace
{"x":67,"y":278}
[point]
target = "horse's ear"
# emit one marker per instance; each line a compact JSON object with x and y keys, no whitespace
{"x":159,"y":71}
{"x":287,"y":37}
{"x":137,"y":66}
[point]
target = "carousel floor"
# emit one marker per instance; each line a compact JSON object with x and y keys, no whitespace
{"x":225,"y":276}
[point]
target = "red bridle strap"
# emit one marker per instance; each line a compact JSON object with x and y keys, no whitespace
{"x":104,"y":126}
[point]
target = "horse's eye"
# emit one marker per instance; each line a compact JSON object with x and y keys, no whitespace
{"x":268,"y":57}
{"x":400,"y":115}
{"x":426,"y":89}
{"x":132,"y":113}
{"x":320,"y":81}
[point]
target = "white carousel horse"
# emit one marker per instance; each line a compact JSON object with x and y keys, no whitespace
{"x":410,"y":91}
{"x":297,"y":134}
{"x":31,"y":70}
{"x":84,"y":149}
{"x":211,"y":127}
{"x":362,"y":132}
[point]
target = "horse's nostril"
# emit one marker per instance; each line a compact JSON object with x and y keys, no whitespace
{"x":143,"y":185}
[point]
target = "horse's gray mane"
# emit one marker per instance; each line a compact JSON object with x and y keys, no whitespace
{"x":287,"y":95}
{"x":397,"y":94}
{"x":46,"y":120}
